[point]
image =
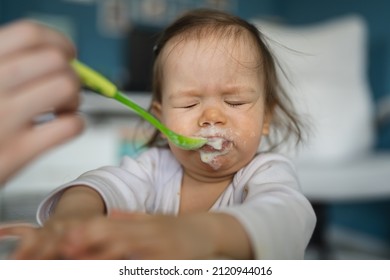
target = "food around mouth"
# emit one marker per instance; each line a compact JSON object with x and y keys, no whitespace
{"x":214,"y":148}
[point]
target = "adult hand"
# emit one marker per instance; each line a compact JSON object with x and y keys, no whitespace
{"x":140,"y":236}
{"x":35,"y":77}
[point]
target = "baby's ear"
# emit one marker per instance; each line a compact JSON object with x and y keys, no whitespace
{"x":157,"y":112}
{"x":267,"y":123}
{"x":156,"y":109}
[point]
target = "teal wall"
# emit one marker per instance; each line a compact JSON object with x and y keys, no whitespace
{"x":101,"y":52}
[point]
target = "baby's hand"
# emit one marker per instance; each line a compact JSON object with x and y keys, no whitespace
{"x":27,"y":236}
{"x":39,"y":243}
{"x":10,"y":234}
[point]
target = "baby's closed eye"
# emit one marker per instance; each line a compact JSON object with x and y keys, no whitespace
{"x":235,"y":103}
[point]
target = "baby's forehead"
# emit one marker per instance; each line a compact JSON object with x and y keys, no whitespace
{"x":240,"y":46}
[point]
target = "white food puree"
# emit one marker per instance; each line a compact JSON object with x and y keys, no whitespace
{"x":216,"y":139}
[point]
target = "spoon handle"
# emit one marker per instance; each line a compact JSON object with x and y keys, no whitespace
{"x":94,"y":80}
{"x":122,"y":98}
{"x":102,"y":85}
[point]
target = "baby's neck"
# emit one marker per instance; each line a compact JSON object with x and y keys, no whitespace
{"x":208,"y":177}
{"x":200,"y":194}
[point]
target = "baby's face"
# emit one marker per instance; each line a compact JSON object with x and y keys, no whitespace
{"x":212,"y":89}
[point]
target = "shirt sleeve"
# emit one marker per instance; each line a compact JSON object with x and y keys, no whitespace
{"x":127,"y":187}
{"x":277,"y":217}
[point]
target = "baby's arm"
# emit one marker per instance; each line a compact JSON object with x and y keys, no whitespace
{"x":79,"y":201}
{"x":277,"y":217}
{"x":227,"y":235}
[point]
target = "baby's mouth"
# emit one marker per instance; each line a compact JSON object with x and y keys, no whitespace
{"x":216,"y":144}
{"x":215,"y":147}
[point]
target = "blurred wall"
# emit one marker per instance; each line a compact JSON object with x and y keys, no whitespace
{"x":376,"y":13}
{"x":105,"y":52}
{"x":367,"y":217}
{"x":100,"y":49}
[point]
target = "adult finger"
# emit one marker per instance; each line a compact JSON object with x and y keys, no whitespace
{"x":55,"y":91}
{"x":58,"y":93}
{"x":20,"y":69}
{"x":21,"y":35}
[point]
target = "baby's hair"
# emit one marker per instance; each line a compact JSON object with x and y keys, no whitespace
{"x":202,"y":23}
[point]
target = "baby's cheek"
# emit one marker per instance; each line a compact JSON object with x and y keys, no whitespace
{"x":180,"y":129}
{"x":249,"y":139}
{"x":180,"y":125}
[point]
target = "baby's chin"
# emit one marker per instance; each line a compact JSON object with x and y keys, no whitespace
{"x":220,"y":168}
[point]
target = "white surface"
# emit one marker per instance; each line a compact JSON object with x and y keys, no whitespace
{"x":95,"y":103}
{"x":326,"y":64}
{"x":366,"y":178}
{"x":97,"y":146}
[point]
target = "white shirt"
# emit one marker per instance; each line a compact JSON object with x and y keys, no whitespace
{"x":264,"y":196}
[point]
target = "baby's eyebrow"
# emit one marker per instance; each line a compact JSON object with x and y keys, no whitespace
{"x":233,"y":89}
{"x":239,"y":89}
{"x":184,"y":93}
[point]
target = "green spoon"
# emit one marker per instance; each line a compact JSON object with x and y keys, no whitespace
{"x":100,"y":84}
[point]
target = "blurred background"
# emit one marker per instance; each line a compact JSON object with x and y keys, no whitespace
{"x":345,"y":75}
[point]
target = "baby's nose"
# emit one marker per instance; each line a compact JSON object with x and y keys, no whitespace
{"x":212,"y":116}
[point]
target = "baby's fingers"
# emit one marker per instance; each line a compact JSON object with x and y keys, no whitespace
{"x":10,"y":235}
{"x":17,"y":229}
{"x":38,"y":245}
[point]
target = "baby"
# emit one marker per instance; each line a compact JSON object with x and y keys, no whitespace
{"x":213,"y":77}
